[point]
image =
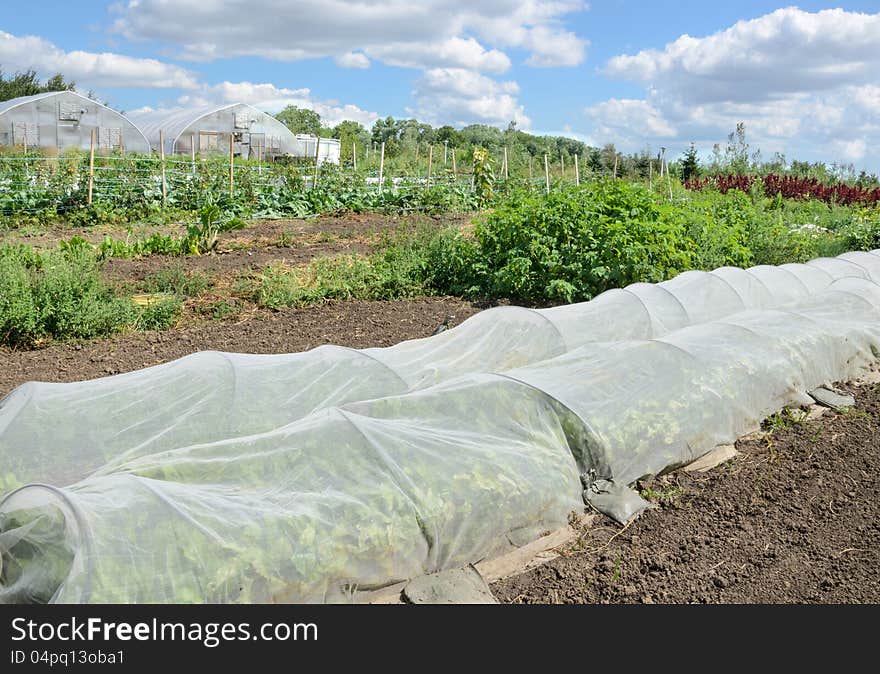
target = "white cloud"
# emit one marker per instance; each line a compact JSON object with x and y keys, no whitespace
{"x":458,"y":96}
{"x":786,"y":51}
{"x":353,"y":60}
{"x":90,"y":69}
{"x":453,"y":52}
{"x":449,"y":41}
{"x":424,"y":34}
{"x":807,"y":84}
{"x":273,"y":99}
{"x":625,"y":115}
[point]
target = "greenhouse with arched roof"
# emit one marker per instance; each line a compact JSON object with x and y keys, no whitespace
{"x":62,"y":119}
{"x":208,"y":129}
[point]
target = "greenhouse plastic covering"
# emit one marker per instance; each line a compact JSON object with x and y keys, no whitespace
{"x":314,"y":476}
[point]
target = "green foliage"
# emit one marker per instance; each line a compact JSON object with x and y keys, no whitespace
{"x":575,"y":243}
{"x":159,"y":315}
{"x":690,"y":166}
{"x":59,"y":296}
{"x":300,"y":120}
{"x":202,"y":237}
{"x":391,"y":274}
{"x":176,"y":280}
{"x":27,"y":84}
{"x":484,"y":179}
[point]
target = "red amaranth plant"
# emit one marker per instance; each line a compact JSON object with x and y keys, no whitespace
{"x":791,"y":187}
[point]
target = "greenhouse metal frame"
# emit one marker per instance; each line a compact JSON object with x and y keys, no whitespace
{"x":63,"y":119}
{"x":207,"y":129}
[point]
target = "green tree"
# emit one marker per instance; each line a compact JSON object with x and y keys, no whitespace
{"x":690,"y":167}
{"x":300,"y":120}
{"x":448,"y":134}
{"x":386,"y":131}
{"x":27,"y":84}
{"x":736,"y":154}
{"x":349,"y":132}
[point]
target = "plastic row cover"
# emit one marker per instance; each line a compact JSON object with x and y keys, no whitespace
{"x":309,"y":477}
{"x":60,"y":433}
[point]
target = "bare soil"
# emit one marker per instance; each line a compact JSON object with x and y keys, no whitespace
{"x":258,"y":233}
{"x":794,"y":519}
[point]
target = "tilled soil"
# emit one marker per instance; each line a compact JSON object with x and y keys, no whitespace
{"x":229,"y":263}
{"x":794,"y":519}
{"x":356,"y":324}
{"x":257,"y":233}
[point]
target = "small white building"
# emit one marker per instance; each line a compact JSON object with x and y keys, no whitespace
{"x":62,"y":119}
{"x":328,"y":149}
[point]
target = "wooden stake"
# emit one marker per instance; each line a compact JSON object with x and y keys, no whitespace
{"x":615,"y":166}
{"x":192,"y":151}
{"x":259,"y":158}
{"x":162,"y":161}
{"x":546,"y":175}
{"x":354,"y":155}
{"x":381,"y":166}
{"x":91,"y":166}
{"x":506,"y":168}
{"x":317,"y":150}
{"x":577,"y":172}
{"x":231,"y":165}
{"x":650,"y":174}
{"x":430,"y":159}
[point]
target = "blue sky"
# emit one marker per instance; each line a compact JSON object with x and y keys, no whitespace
{"x":805,"y":80}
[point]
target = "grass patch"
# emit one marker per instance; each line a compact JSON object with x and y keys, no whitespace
{"x":60,"y":295}
{"x":176,"y":280}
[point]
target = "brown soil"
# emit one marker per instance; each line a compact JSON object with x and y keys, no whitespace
{"x":259,"y":233}
{"x":794,"y":519}
{"x":356,"y":324}
{"x":229,"y":262}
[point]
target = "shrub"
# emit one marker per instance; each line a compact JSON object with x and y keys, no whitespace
{"x":57,"y":294}
{"x":577,"y":242}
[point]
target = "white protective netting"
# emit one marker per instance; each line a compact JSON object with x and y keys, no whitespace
{"x":306,"y":477}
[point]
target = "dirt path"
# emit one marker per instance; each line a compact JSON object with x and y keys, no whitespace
{"x":795,"y":518}
{"x":356,"y":324}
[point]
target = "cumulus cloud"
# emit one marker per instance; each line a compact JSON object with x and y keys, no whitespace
{"x":458,"y":96}
{"x":90,"y":69}
{"x":625,"y":115}
{"x":436,"y":37}
{"x":425,"y":34}
{"x":455,"y":52}
{"x":786,"y":51}
{"x":805,"y":83}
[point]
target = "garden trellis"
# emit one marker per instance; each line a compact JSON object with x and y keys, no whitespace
{"x":34,"y":184}
{"x":309,"y":477}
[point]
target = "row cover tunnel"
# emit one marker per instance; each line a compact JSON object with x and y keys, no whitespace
{"x":313,"y":476}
